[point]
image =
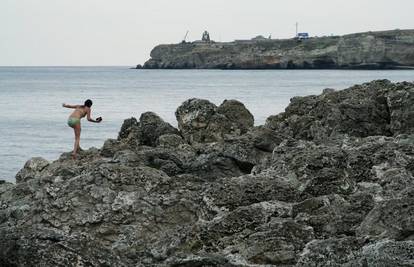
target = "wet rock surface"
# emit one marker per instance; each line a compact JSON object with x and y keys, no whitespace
{"x":329,"y":182}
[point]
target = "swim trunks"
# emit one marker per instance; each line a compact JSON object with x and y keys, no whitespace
{"x":73,"y":121}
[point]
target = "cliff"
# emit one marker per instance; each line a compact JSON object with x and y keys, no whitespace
{"x":329,"y":182}
{"x":370,"y":50}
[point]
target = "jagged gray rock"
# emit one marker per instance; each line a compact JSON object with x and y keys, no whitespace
{"x":146,"y":131}
{"x":31,"y":168}
{"x":200,"y":121}
{"x":194,"y":117}
{"x":152,"y":127}
{"x":376,"y":108}
{"x":329,"y":182}
{"x":237,"y":113}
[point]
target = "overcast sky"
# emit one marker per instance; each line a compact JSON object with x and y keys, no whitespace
{"x":123,"y":32}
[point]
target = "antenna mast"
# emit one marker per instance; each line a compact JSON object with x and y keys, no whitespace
{"x":297,"y":25}
{"x":185,"y":38}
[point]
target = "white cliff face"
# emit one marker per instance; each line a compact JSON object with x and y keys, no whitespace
{"x":371,"y":50}
{"x":329,"y":182}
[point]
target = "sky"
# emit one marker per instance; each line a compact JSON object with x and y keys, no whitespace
{"x":123,"y":32}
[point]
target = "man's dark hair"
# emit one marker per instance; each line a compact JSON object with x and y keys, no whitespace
{"x":88,"y":103}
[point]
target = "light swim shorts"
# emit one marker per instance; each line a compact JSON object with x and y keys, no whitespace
{"x":73,"y":121}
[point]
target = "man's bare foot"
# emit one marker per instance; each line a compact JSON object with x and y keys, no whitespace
{"x":74,"y":155}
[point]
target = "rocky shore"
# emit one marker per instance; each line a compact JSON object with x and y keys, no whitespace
{"x":329,"y":182}
{"x":369,"y":50}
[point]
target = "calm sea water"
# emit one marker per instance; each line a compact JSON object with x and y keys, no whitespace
{"x":33,"y":123}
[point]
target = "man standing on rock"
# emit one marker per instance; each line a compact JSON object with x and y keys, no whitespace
{"x":75,"y":118}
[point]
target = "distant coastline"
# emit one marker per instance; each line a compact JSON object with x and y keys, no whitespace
{"x":369,"y":50}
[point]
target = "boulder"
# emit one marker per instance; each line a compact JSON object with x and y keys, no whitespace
{"x":5,"y":186}
{"x":194,"y":117}
{"x":230,"y":193}
{"x":145,"y":132}
{"x":359,"y":111}
{"x":238,"y":114}
{"x":401,"y":109}
{"x":393,"y":218}
{"x":352,"y":251}
{"x":318,"y":252}
{"x":31,"y":169}
{"x":170,"y":141}
{"x":127,"y":127}
{"x":200,"y":121}
{"x":111,"y":146}
{"x":388,"y":253}
{"x":152,"y":127}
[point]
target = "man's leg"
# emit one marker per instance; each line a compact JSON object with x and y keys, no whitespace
{"x":77,"y":130}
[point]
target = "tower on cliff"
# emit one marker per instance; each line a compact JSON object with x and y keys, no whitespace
{"x":206,"y":37}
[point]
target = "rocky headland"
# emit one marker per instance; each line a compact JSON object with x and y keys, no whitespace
{"x":370,"y":50}
{"x":329,"y":182}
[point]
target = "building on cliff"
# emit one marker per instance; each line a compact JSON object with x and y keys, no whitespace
{"x":302,"y":36}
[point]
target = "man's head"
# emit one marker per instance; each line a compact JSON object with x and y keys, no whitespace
{"x":88,"y":103}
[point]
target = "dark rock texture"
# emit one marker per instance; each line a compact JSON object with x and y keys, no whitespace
{"x":376,"y":108}
{"x":370,"y":50}
{"x":329,"y":182}
{"x":201,"y":121}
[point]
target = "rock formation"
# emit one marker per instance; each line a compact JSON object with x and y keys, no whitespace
{"x":329,"y":182}
{"x":370,"y":50}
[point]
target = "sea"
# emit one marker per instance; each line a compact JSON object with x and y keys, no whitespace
{"x":33,"y":122}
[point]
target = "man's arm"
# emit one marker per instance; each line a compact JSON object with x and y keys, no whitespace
{"x":69,"y":106}
{"x":88,"y":116}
